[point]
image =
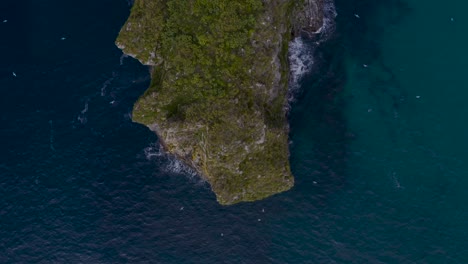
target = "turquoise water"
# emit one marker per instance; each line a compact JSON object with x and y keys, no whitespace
{"x":401,"y":103}
{"x":424,"y":151}
{"x":405,"y":198}
{"x":378,"y":140}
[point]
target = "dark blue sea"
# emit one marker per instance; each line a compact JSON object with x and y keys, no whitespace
{"x":379,"y":139}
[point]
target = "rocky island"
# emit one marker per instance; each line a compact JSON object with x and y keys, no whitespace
{"x":218,"y":95}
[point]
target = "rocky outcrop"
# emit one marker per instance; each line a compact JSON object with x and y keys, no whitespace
{"x":218,"y":94}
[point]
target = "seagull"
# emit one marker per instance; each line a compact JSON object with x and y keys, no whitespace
{"x":14,"y":74}
{"x":418,"y":96}
{"x":357,"y":16}
{"x":365,"y":65}
{"x":451,"y":19}
{"x":63,"y":38}
{"x":4,"y":21}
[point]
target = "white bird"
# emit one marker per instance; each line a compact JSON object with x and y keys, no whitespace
{"x":63,"y":38}
{"x":451,"y":19}
{"x":14,"y":74}
{"x":418,"y":96}
{"x":365,"y":65}
{"x":357,"y":16}
{"x":4,"y":21}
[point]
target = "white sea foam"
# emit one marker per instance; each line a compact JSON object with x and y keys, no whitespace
{"x":171,"y":164}
{"x":83,"y":120}
{"x":107,"y":83}
{"x":104,"y":86}
{"x":329,"y":25}
{"x":153,"y":151}
{"x":85,"y":109}
{"x":395,"y":180}
{"x":82,"y":116}
{"x":300,"y":60}
{"x":122,"y":57}
{"x":301,"y":52}
{"x":178,"y":167}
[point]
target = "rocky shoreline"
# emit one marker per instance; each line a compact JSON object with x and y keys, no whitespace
{"x":218,"y":96}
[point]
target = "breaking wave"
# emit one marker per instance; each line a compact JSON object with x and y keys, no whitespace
{"x":301,"y":49}
{"x":170,"y":163}
{"x":329,"y":25}
{"x":153,"y":151}
{"x":178,"y":167}
{"x":300,"y":60}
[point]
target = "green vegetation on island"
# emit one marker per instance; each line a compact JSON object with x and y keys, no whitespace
{"x":218,"y":95}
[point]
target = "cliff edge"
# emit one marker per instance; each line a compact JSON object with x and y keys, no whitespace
{"x":218,"y":96}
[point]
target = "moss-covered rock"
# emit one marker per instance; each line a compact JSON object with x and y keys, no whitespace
{"x":219,"y":83}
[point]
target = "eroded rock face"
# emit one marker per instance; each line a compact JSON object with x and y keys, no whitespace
{"x":219,"y":87}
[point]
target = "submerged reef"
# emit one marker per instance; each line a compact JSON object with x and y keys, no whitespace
{"x":218,"y":95}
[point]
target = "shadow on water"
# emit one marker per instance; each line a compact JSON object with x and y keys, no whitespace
{"x":318,"y":126}
{"x":362,"y":25}
{"x":319,"y":131}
